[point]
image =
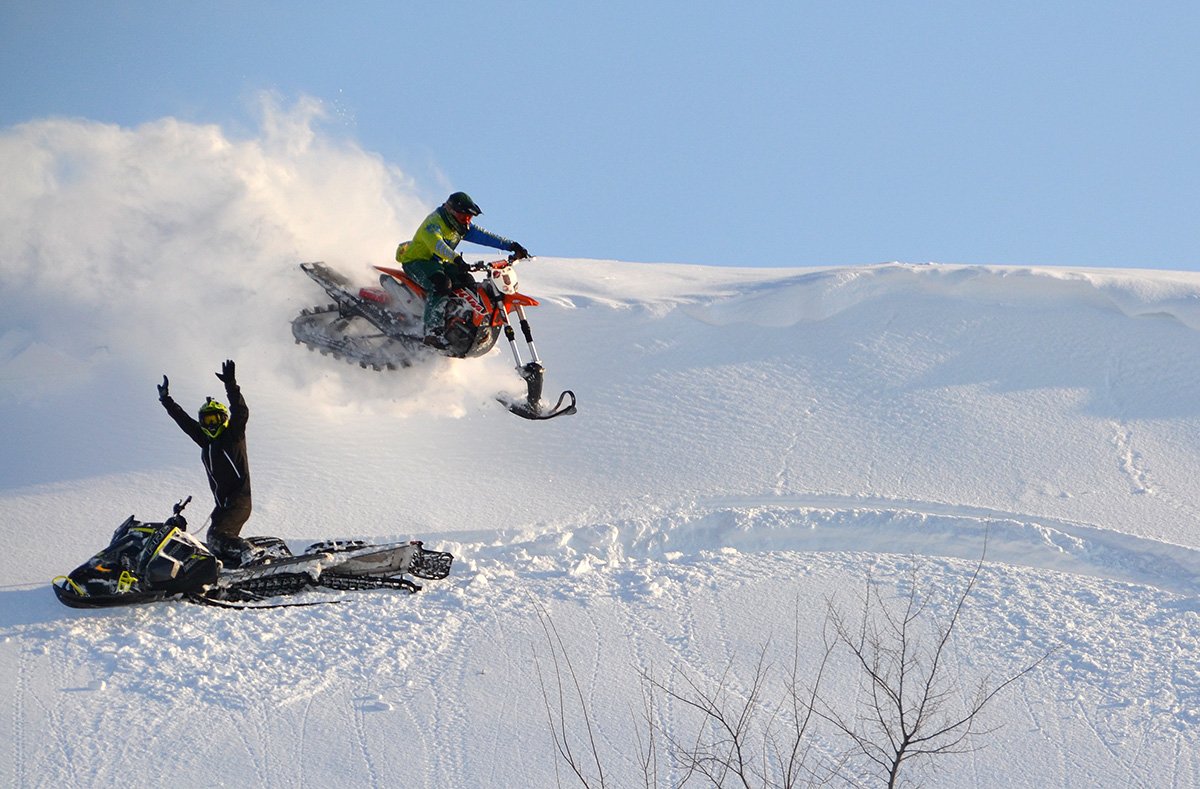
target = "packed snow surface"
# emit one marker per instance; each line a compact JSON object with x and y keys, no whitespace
{"x":752,"y":446}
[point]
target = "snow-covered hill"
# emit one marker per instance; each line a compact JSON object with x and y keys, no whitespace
{"x":751,"y":444}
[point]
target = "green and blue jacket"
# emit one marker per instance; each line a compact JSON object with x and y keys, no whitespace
{"x":439,"y":237}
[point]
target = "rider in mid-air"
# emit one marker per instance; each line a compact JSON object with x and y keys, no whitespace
{"x":430,"y":258}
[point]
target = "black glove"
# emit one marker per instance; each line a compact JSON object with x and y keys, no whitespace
{"x":226,"y":373}
{"x":519,"y":252}
{"x":460,"y":274}
{"x":440,"y":281}
{"x":163,"y":394}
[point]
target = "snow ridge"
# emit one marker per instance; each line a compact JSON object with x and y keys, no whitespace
{"x":822,"y":294}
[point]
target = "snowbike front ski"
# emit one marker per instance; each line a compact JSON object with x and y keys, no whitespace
{"x":382,"y":327}
{"x":533,"y":374}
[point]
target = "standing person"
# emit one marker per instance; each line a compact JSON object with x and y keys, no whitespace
{"x":430,"y":258}
{"x":220,"y":432}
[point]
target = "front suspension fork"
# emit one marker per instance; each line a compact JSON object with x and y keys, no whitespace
{"x":532,"y":371}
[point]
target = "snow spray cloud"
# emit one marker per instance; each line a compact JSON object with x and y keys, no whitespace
{"x":172,"y":245}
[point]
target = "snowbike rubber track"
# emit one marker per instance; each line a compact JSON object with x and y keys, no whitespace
{"x":329,"y":331}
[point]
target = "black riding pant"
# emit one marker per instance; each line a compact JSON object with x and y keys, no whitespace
{"x":228,"y":521}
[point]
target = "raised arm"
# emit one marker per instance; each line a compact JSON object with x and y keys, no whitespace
{"x":182,"y":418}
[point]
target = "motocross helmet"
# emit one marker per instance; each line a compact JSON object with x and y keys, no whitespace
{"x":462,"y":207}
{"x":214,"y":417}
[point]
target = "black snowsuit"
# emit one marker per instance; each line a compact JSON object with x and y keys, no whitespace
{"x":225,"y":460}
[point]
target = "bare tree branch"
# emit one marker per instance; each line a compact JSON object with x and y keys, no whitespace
{"x":759,"y":732}
{"x":908,"y":687}
{"x":558,"y":730}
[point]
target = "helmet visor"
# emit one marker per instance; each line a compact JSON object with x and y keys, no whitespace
{"x":212,"y":420}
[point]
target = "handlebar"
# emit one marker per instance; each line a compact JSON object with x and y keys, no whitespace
{"x":487,"y":265}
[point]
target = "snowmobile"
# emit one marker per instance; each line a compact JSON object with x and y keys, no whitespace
{"x":147,"y":562}
{"x":382,"y":327}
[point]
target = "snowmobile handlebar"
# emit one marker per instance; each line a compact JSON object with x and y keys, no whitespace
{"x":177,"y":518}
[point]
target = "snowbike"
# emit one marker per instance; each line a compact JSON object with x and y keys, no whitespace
{"x":147,"y":562}
{"x":382,"y":327}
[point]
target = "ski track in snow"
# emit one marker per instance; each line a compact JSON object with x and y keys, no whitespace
{"x":411,"y":657}
{"x":832,"y":523}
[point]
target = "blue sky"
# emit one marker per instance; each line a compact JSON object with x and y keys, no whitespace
{"x":750,"y":133}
